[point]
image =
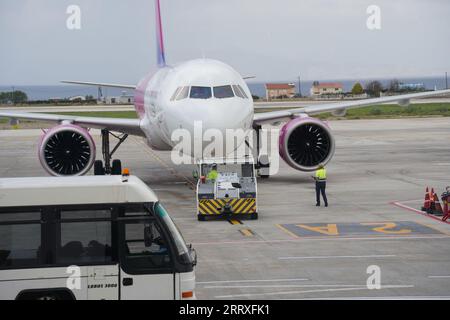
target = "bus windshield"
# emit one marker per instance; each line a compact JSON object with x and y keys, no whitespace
{"x":180,"y":244}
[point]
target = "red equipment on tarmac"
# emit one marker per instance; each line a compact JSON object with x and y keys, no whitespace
{"x":431,"y":204}
{"x":446,"y":199}
{"x":426,"y":203}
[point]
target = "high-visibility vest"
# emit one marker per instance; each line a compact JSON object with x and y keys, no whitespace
{"x":321,"y":174}
{"x":212,"y":175}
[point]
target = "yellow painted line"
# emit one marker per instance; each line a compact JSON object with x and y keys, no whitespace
{"x":384,"y":227}
{"x":433,"y":227}
{"x":171,"y":170}
{"x":330,"y":229}
{"x":235,"y":222}
{"x":246,"y":232}
{"x":287,"y":231}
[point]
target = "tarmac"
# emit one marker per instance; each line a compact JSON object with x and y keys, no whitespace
{"x":121,"y":107}
{"x":376,"y":185}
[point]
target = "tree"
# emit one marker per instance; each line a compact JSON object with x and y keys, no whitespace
{"x":13,"y":97}
{"x":357,"y":89}
{"x":374,"y":88}
{"x":394,"y":86}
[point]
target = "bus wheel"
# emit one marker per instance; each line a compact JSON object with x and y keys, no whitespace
{"x":99,"y":170}
{"x":47,"y":297}
{"x":116,"y":168}
{"x":43,"y":295}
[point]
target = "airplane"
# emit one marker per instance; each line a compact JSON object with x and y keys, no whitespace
{"x":175,"y":97}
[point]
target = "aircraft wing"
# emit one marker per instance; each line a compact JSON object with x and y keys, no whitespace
{"x":284,"y":115}
{"x":98,"y":84}
{"x":130,"y":126}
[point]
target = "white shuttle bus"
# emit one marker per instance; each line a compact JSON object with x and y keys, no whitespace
{"x":90,"y":238}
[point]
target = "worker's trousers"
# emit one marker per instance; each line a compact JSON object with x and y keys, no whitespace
{"x":320,"y":188}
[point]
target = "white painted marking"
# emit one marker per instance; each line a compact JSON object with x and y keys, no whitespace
{"x":307,"y":291}
{"x":288,"y":286}
{"x":410,"y":201}
{"x":399,"y":204}
{"x":382,"y":298}
{"x":259,"y":280}
{"x":422,"y":213}
{"x":338,"y":257}
{"x":321,"y":239}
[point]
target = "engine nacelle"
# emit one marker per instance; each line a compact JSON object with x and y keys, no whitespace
{"x":67,"y":150}
{"x":305,"y":143}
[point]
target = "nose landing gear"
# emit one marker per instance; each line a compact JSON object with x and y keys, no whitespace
{"x":107,"y":168}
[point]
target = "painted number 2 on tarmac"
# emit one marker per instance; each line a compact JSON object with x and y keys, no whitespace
{"x":357,"y":229}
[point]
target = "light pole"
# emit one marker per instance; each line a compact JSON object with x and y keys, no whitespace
{"x":13,"y":95}
{"x":299,"y":87}
{"x":446,"y":81}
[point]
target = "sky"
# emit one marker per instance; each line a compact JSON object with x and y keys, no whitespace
{"x":274,"y":40}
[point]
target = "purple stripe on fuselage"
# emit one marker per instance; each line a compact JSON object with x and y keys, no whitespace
{"x":139,"y":96}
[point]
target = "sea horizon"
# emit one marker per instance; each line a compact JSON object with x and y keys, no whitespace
{"x":257,"y":88}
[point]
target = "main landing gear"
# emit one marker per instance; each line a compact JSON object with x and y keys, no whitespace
{"x":263,"y":162}
{"x":109,"y":169}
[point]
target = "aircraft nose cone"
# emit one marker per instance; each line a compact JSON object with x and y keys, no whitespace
{"x":213,"y":123}
{"x":227,"y":116}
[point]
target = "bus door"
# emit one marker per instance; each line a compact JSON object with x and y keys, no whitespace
{"x":102,"y":282}
{"x":86,"y":244}
{"x":146,"y":265}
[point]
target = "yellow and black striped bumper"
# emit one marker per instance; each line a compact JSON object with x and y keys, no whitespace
{"x":238,"y":206}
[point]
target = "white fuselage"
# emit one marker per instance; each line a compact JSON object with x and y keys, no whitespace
{"x":193,"y":92}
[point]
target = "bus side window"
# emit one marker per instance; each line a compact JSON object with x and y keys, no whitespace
{"x":145,"y":248}
{"x":85,"y":241}
{"x":20,"y":240}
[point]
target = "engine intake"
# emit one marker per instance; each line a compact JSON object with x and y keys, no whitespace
{"x":67,"y":150}
{"x":305,"y":143}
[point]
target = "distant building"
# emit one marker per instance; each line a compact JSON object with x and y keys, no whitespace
{"x":77,"y":98}
{"x":280,"y":90}
{"x":123,"y":99}
{"x":326,"y":88}
{"x":411,"y":86}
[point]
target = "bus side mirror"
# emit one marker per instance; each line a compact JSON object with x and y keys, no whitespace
{"x":148,"y":236}
{"x":193,"y":255}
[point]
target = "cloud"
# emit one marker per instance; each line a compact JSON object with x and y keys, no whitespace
{"x":275,"y":40}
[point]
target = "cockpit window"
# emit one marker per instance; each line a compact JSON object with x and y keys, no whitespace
{"x":184,"y":93}
{"x":200,"y":93}
{"x":175,"y":94}
{"x":223,"y":92}
{"x":243,"y":92}
{"x":239,"y":92}
{"x":197,"y":92}
{"x":180,"y":94}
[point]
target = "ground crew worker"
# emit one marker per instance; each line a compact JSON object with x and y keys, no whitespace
{"x":212,"y":175}
{"x":321,"y":183}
